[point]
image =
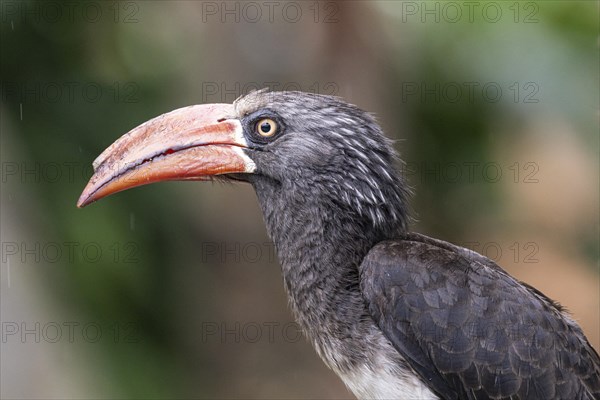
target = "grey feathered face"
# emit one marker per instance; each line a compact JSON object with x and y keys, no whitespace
{"x":320,"y":146}
{"x":312,"y":146}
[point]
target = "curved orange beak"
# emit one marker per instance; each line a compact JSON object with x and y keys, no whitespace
{"x":190,"y":143}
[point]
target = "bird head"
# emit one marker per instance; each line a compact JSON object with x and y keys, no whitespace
{"x":309,"y":145}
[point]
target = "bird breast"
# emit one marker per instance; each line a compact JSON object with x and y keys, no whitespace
{"x":384,"y":378}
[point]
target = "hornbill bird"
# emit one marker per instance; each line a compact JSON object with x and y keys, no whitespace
{"x":396,"y":314}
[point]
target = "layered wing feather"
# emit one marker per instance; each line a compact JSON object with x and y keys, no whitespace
{"x":470,"y":330}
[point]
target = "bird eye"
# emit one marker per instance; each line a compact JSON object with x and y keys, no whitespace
{"x":266,"y":127}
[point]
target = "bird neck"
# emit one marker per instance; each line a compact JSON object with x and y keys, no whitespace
{"x":320,"y":246}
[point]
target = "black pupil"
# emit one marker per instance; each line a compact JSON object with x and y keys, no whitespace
{"x":265,"y":127}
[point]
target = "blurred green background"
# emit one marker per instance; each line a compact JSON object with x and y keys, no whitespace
{"x":173,"y":290}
